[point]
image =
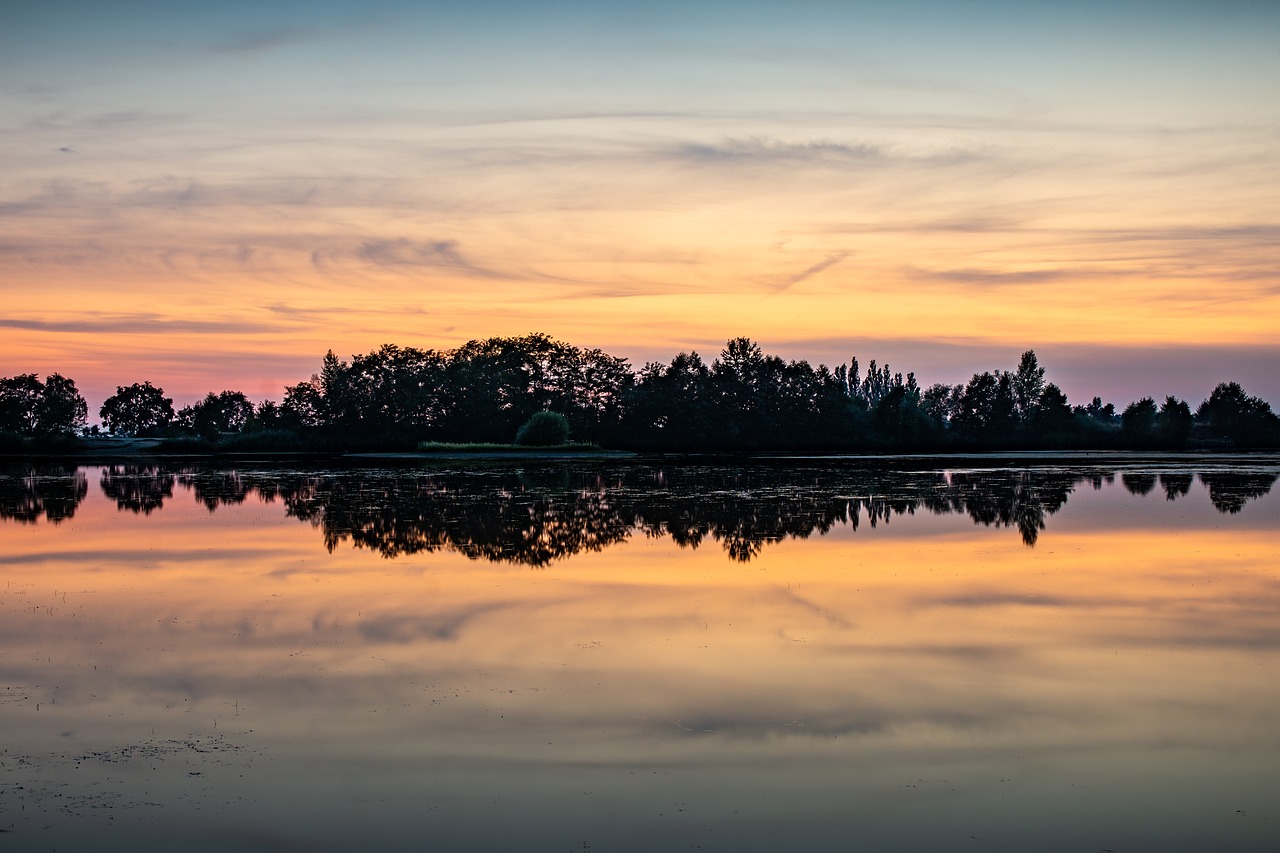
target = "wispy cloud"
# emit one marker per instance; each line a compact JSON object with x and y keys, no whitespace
{"x":140,"y":324}
{"x":437,"y":254}
{"x":258,"y":41}
{"x":1005,"y":277}
{"x":763,"y":150}
{"x":824,"y":264}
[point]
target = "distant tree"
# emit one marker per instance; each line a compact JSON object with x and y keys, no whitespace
{"x":987,"y":412}
{"x":268,"y":415}
{"x":1174,"y":423}
{"x":1028,"y":385}
{"x":1231,"y":413}
{"x":1051,"y":417}
{"x":30,"y":407}
{"x":137,"y":409}
{"x":544,"y":429}
{"x":1138,"y":423}
{"x":670,"y":405}
{"x":62,"y":411}
{"x":19,"y":403}
{"x":225,"y":412}
{"x":303,"y":406}
{"x":900,"y":422}
{"x":940,"y":402}
{"x":1099,"y":411}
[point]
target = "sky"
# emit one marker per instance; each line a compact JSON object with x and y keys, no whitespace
{"x":210,"y":196}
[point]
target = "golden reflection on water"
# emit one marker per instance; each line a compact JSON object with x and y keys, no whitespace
{"x":220,"y":677}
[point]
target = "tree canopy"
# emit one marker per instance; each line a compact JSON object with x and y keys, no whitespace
{"x":488,"y":390}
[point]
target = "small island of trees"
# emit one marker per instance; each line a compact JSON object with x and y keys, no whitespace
{"x":537,"y":391}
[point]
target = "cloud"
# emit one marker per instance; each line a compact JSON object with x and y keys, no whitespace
{"x":441,"y":254}
{"x":762,"y":150}
{"x":140,"y":324}
{"x":825,"y":263}
{"x":1000,"y":277}
{"x":259,"y":41}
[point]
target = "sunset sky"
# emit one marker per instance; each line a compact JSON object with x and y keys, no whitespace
{"x":211,"y":195}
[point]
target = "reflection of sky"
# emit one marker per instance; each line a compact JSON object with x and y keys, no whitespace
{"x":1102,"y":687}
{"x":953,"y":182}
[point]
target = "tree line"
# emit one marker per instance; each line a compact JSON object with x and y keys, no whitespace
{"x":487,"y":391}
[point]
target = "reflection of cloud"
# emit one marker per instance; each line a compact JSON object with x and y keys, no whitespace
{"x":135,"y":559}
{"x":814,"y":608}
{"x":399,"y":628}
{"x":1002,"y":599}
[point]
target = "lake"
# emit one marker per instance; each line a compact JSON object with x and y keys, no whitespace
{"x":809,"y":654}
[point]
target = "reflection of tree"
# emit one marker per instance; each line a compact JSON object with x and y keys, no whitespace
{"x":1021,"y":499}
{"x":217,"y":488}
{"x":54,"y":493}
{"x":1176,"y":485}
{"x":1229,"y":491}
{"x":537,"y":514}
{"x":1138,"y":484}
{"x":489,"y":517}
{"x":137,"y":488}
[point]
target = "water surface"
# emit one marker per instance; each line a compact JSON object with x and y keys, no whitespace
{"x":813,"y":655}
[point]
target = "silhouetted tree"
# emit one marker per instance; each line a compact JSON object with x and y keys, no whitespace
{"x":225,"y":412}
{"x":1138,"y":423}
{"x":1174,"y":423}
{"x":137,"y":409}
{"x":987,"y":414}
{"x":1052,"y":418}
{"x":29,"y":407}
{"x":544,"y":429}
{"x":1232,"y":414}
{"x":1028,"y":385}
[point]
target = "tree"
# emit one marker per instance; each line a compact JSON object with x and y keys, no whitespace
{"x":1138,"y":423}
{"x":1028,"y":385}
{"x":1052,"y":415}
{"x":1103,"y":413}
{"x":1173,"y":424}
{"x":1231,"y":413}
{"x":19,"y":402}
{"x":987,"y":411}
{"x":137,"y":409}
{"x":303,"y":406}
{"x":30,"y":407}
{"x":228,"y":411}
{"x":544,"y":429}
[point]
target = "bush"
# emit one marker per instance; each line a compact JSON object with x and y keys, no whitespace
{"x":265,"y":441}
{"x":544,"y":429}
{"x":186,"y":444}
{"x":11,"y":443}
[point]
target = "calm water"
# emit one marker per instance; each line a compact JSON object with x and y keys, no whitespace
{"x":807,"y":656}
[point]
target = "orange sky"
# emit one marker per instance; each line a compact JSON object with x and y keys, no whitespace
{"x":213,"y":203}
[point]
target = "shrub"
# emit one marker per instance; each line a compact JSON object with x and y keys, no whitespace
{"x":265,"y":441}
{"x":11,"y":443}
{"x":544,"y":429}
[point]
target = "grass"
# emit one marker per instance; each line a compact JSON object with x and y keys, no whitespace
{"x":483,"y":447}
